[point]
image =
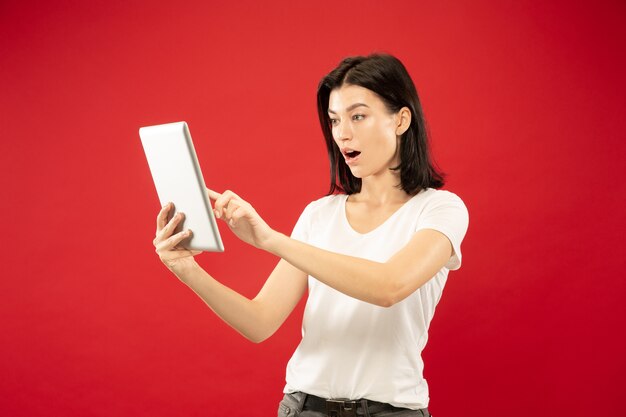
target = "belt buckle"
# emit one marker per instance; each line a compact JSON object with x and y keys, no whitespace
{"x":341,"y":408}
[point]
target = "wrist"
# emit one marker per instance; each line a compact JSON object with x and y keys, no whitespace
{"x":185,"y":271}
{"x":273,"y":242}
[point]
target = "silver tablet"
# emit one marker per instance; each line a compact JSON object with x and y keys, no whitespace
{"x":176,"y":174}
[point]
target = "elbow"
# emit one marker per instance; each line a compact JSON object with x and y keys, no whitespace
{"x":256,"y":339}
{"x":394,"y":290}
{"x":388,"y":292}
{"x":387,"y":301}
{"x":259,"y":336}
{"x":261,"y":327}
{"x":392,"y":294}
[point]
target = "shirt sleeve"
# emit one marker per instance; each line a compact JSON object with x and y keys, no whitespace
{"x":447,"y":214}
{"x":303,"y":226}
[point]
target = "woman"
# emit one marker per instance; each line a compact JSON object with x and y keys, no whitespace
{"x":374,"y":257}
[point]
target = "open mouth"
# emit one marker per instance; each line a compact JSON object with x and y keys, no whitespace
{"x":349,"y":153}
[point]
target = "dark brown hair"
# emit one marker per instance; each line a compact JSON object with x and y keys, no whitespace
{"x":385,"y":76}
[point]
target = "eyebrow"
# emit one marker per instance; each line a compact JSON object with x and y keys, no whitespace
{"x":350,"y":108}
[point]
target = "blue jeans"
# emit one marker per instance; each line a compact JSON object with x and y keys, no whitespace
{"x":292,"y":404}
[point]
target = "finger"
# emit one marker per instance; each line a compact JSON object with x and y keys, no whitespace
{"x":162,"y":217}
{"x":223,"y":201}
{"x":169,"y":228}
{"x":237,"y":214}
{"x":230,"y":209}
{"x":220,"y":202}
{"x":213,"y":195}
{"x":171,"y":242}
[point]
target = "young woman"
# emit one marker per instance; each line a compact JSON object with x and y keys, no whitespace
{"x":374,"y":254}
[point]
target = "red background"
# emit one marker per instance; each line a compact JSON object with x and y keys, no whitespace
{"x":525,"y":102}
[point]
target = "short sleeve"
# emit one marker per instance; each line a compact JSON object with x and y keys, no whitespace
{"x":447,"y":214}
{"x":303,"y":225}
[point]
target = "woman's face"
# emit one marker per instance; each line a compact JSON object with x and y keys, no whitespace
{"x":364,"y":130}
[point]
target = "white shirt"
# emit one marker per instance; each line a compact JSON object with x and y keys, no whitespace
{"x":353,"y":349}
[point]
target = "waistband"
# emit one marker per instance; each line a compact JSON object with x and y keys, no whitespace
{"x":347,"y":408}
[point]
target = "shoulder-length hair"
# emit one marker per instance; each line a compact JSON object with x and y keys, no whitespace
{"x":386,"y":76}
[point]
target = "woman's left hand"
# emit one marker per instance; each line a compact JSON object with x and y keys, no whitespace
{"x":241,"y":218}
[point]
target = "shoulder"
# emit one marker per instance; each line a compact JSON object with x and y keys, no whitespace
{"x":322,"y":207}
{"x":315,"y":211}
{"x":445,"y":212}
{"x":432,"y":199}
{"x":329,"y":202}
{"x":440,"y":206}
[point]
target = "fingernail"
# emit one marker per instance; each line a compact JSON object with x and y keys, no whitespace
{"x":217,"y":213}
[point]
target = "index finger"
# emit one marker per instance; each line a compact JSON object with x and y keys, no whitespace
{"x":213,"y":195}
{"x":162,"y":217}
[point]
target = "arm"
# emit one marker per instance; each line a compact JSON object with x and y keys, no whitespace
{"x":378,"y":283}
{"x":383,"y":284}
{"x":255,"y":319}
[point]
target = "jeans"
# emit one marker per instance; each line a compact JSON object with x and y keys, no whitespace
{"x":291,"y":406}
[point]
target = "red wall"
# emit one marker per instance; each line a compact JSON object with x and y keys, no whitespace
{"x":525,"y":102}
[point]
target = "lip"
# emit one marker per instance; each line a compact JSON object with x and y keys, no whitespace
{"x":350,"y":160}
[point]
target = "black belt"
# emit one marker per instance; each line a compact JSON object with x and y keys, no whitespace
{"x":347,"y":408}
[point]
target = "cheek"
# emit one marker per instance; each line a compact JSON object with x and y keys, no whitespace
{"x":383,"y":127}
{"x":373,"y":130}
{"x":385,"y":137}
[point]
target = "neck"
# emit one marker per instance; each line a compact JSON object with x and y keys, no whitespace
{"x":381,"y":190}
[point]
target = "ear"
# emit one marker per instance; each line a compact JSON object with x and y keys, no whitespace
{"x":403,"y":120}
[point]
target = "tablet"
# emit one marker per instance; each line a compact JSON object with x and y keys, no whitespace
{"x":176,"y":174}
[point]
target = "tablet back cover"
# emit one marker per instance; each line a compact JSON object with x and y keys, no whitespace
{"x":176,"y":174}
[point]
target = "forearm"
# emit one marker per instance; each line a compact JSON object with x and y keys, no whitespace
{"x":242,"y":314}
{"x":366,"y":280}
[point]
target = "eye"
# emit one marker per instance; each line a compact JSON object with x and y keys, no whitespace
{"x":334,"y":122}
{"x":357,"y":117}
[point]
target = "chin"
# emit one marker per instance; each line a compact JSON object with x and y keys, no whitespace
{"x":357,"y":173}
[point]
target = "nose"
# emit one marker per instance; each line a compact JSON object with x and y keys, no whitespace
{"x":343,"y":132}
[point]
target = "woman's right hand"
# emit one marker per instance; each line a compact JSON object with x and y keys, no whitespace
{"x":177,"y":259}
